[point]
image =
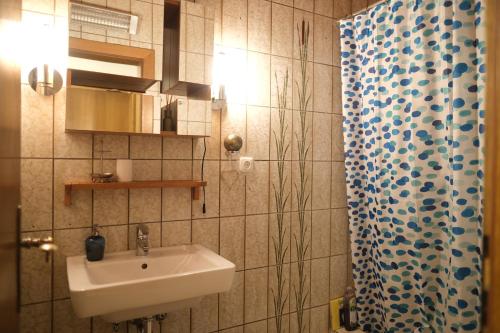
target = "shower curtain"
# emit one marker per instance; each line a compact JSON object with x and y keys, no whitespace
{"x":413,"y":81}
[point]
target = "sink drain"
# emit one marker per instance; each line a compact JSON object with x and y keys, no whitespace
{"x":144,"y":266}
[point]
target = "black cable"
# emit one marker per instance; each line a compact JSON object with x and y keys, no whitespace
{"x":204,"y":209}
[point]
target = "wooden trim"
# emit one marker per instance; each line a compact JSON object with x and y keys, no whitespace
{"x":491,"y":264}
{"x":116,"y":53}
{"x":87,"y":185}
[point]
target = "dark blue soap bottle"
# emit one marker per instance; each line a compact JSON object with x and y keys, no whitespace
{"x":94,"y":245}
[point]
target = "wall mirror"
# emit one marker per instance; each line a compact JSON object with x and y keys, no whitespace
{"x":117,"y":60}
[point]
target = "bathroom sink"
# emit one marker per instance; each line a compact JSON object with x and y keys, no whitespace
{"x":125,"y":286}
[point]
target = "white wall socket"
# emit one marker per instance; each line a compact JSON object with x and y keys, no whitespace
{"x":246,"y":164}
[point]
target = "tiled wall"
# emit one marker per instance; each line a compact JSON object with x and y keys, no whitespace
{"x":239,"y":223}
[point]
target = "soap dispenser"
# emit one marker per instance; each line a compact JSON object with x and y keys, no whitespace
{"x":94,"y":245}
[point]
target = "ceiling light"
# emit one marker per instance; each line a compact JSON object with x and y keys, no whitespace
{"x":109,"y":18}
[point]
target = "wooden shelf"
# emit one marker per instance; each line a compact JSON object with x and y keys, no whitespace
{"x":195,"y":186}
{"x":108,"y":81}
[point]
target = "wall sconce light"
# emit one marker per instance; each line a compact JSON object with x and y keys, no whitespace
{"x":219,"y":98}
{"x":45,"y":80}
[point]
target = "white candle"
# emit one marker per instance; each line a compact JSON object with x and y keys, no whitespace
{"x":124,"y":170}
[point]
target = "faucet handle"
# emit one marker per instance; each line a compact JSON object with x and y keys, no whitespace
{"x":142,"y":229}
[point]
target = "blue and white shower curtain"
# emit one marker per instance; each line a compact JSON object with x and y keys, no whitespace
{"x":413,"y":77}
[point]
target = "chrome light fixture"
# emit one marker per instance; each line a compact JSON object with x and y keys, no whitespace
{"x":45,"y":80}
{"x":109,"y":18}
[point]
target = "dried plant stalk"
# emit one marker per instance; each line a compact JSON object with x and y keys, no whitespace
{"x":301,"y":243}
{"x":281,"y":196}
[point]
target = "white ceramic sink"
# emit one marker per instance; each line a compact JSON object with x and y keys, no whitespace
{"x":124,"y":286}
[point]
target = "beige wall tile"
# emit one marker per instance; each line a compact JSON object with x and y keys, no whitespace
{"x":206,"y":233}
{"x":336,"y":44}
{"x":258,"y":85}
{"x":323,"y":39}
{"x":337,"y":138}
{"x":256,"y":327}
{"x":358,"y":5}
{"x":320,"y":230}
{"x":176,"y":201}
{"x":338,"y":275}
{"x":256,"y":294}
{"x":195,"y":34}
{"x":274,"y":237}
{"x":296,"y":235}
{"x":41,"y":6}
{"x":309,"y":182}
{"x":146,"y":169}
{"x":36,"y":123}
{"x":232,"y":240}
{"x":36,"y":318}
{"x":145,"y":147}
{"x":212,"y":142}
{"x":323,"y":88}
{"x":71,"y":242}
{"x":297,"y":132}
{"x":294,"y":280}
{"x":279,"y":68}
{"x":257,"y":189}
{"x":232,"y":190}
{"x":116,"y":145}
{"x":101,"y":326}
{"x":321,"y":185}
{"x":319,"y":319}
{"x":339,"y":232}
{"x":256,"y":241}
{"x":238,"y":329}
{"x":271,"y":323}
{"x":144,"y":205}
{"x":294,"y":324}
{"x":234,"y":23}
{"x":231,"y":303}
{"x":145,"y":29}
{"x":36,"y":194}
{"x":36,"y":273}
{"x":177,"y":148}
{"x":274,"y":182}
{"x":275,"y":130}
{"x":320,"y":271}
{"x":304,"y":4}
{"x":307,"y":17}
{"x":211,"y":175}
{"x":341,"y":8}
{"x":322,"y":136}
{"x":116,"y":238}
{"x":110,"y":207}
{"x":176,"y":233}
{"x":337,"y":91}
{"x":204,"y":316}
{"x":66,"y":321}
{"x":79,"y":214}
{"x":157,"y":24}
{"x":258,"y":133}
{"x":259,"y":25}
{"x":324,"y":7}
{"x":282,"y":30}
{"x":297,"y":77}
{"x":339,"y":196}
{"x":177,"y":321}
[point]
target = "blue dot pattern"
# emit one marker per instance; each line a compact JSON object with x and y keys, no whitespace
{"x":413,"y":81}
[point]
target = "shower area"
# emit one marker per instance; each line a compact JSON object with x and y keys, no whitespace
{"x":413,"y":100}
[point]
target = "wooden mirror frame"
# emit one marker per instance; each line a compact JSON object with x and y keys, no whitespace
{"x":89,"y":49}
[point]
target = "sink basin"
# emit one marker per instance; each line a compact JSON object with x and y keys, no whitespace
{"x":124,"y":286}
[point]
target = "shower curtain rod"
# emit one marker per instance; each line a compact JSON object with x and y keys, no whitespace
{"x":361,"y":11}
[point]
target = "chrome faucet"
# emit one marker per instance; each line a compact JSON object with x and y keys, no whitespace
{"x":142,"y":248}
